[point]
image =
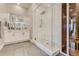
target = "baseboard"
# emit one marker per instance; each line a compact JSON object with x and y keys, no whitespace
{"x":6,"y":43}
{"x":46,"y":50}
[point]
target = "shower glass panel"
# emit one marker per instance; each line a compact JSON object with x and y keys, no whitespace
{"x":64,"y":28}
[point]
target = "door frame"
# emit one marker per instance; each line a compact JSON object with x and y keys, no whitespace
{"x":67,"y":11}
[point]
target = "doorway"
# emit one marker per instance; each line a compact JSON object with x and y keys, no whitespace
{"x":72,"y":45}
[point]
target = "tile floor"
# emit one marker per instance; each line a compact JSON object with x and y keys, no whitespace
{"x":22,"y":49}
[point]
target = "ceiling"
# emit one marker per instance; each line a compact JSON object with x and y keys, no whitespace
{"x":24,"y":5}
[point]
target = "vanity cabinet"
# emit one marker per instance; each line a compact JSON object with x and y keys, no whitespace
{"x":12,"y":32}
